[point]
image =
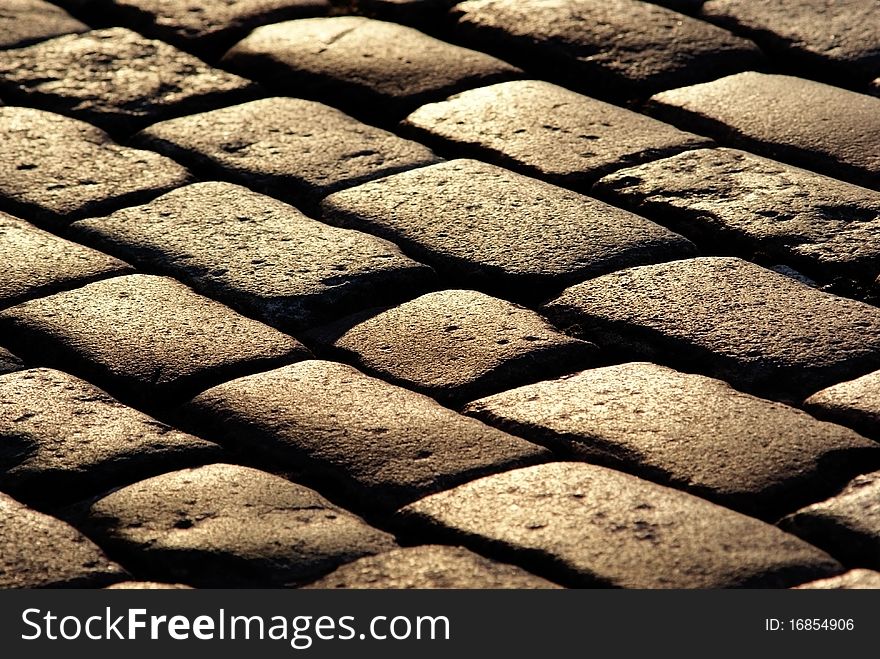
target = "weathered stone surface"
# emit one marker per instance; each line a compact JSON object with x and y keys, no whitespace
{"x":687,"y":431}
{"x":725,"y":197}
{"x":380,"y":445}
{"x":149,"y":337}
{"x":847,"y":525}
{"x":37,"y":263}
{"x":828,"y":129}
{"x":491,"y":227}
{"x":547,"y":131}
{"x":38,"y":551}
{"x":224,"y":524}
{"x":62,"y":438}
{"x":458,"y":345}
{"x":290,"y":148}
{"x":587,"y":525}
{"x":842,"y":36}
{"x":146,"y":585}
{"x":852,"y":580}
{"x":357,"y":62}
{"x":430,"y":566}
{"x":23,"y":22}
{"x":54,"y":169}
{"x":614,"y":47}
{"x":855,"y":403}
{"x":759,"y":330}
{"x":9,"y":362}
{"x":116,"y":79}
{"x":259,"y":255}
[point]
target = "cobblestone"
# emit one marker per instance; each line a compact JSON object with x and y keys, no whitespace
{"x":852,"y":580}
{"x":9,"y":362}
{"x":23,"y":22}
{"x":146,"y":585}
{"x":855,"y":403}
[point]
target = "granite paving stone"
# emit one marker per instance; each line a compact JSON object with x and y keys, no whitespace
{"x":37,"y":263}
{"x":457,"y":345}
{"x":828,"y":129}
{"x":547,"y":131}
{"x":489,"y":227}
{"x":760,"y":330}
{"x":607,"y":47}
{"x":852,"y":580}
{"x":358,"y":62}
{"x":430,"y":566}
{"x":724,"y":197}
{"x":847,"y":525}
{"x":259,"y":255}
{"x":54,"y":169}
{"x":225,"y":524}
{"x":291,"y":148}
{"x":587,"y":525}
{"x":62,"y":438}
{"x":116,"y":78}
{"x":688,"y":431}
{"x":9,"y":362}
{"x":24,"y":22}
{"x":854,"y":403}
{"x":147,"y":337}
{"x":377,"y":444}
{"x":39,"y":551}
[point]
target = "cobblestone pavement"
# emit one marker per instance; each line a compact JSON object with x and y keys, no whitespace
{"x":410,"y":293}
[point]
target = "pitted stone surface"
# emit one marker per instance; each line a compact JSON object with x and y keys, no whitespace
{"x":150,"y":337}
{"x":492,"y":227}
{"x":547,"y":131}
{"x":37,"y":263}
{"x":831,"y":130}
{"x":458,"y":345}
{"x":589,"y":525}
{"x":843,"y":35}
{"x":847,"y":525}
{"x":612,"y":47}
{"x":855,"y":403}
{"x":381,"y":445}
{"x":54,"y":169}
{"x":62,"y":438}
{"x":687,"y":431}
{"x":290,"y":148}
{"x":430,"y":566}
{"x":9,"y":362}
{"x":23,"y":22}
{"x":259,"y":254}
{"x":116,"y":79}
{"x":723,"y":196}
{"x":852,"y":580}
{"x":752,"y":327}
{"x":354,"y":62}
{"x":224,"y":524}
{"x":38,"y":551}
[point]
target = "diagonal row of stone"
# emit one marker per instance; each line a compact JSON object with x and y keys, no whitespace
{"x":23,"y":22}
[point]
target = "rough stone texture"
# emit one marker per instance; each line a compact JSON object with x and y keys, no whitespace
{"x":459,"y":345}
{"x":613,"y":47}
{"x":831,"y":130}
{"x":587,"y":525}
{"x":852,"y":580}
{"x":224,"y":524}
{"x":430,"y":566}
{"x":38,"y":551}
{"x":547,"y":131}
{"x":62,"y":438}
{"x":491,"y":227}
{"x":687,"y":431}
{"x":9,"y":362}
{"x":116,"y":78}
{"x":847,"y":525}
{"x":54,"y":169}
{"x":356,"y":62}
{"x":732,"y":198}
{"x":290,"y":148}
{"x":855,"y":403}
{"x":258,"y":254}
{"x":759,"y":330}
{"x":37,"y":263}
{"x":146,"y":585}
{"x":380,"y":445}
{"x":843,"y":35}
{"x":149,"y":337}
{"x":23,"y":22}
